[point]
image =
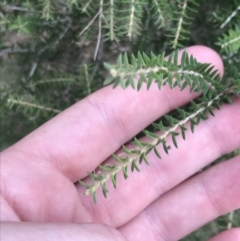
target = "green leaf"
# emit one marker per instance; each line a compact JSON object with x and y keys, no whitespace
{"x":149,"y":82}
{"x":140,"y":59}
{"x":125,"y":60}
{"x":118,"y":159}
{"x":143,"y":158}
{"x":107,"y":66}
{"x":140,"y":82}
{"x":174,"y":134}
{"x":93,"y":176}
{"x":171,"y":120}
{"x":134,"y":61}
{"x":146,"y":58}
{"x":156,"y":152}
{"x":104,"y":189}
{"x":160,"y":81}
{"x":94,"y":196}
{"x":170,"y":81}
{"x":131,"y":81}
{"x":107,"y":168}
{"x":210,"y":111}
{"x":108,"y":81}
{"x":134,"y":166}
{"x":183,"y":130}
{"x":192,"y":124}
{"x":116,"y":83}
{"x":165,"y":147}
{"x":114,"y":180}
{"x":162,"y":127}
{"x":184,"y":58}
{"x":119,"y":60}
{"x":229,"y":99}
{"x":150,"y":135}
{"x":175,"y":58}
{"x":170,"y":58}
{"x":122,"y":82}
{"x":138,"y":143}
{"x":126,"y":150}
{"x":84,"y":184}
{"x":125,"y":172}
{"x":161,"y":59}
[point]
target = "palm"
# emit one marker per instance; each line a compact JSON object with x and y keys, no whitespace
{"x":40,"y":172}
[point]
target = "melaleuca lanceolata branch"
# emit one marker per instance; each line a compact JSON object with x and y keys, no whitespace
{"x":199,"y":77}
{"x":182,"y":11}
{"x":230,"y":17}
{"x":138,"y":154}
{"x":230,"y":42}
{"x":179,"y":25}
{"x":159,"y":12}
{"x":30,"y":105}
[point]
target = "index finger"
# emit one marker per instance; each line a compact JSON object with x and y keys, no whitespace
{"x":87,"y":133}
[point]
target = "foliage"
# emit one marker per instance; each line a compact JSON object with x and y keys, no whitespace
{"x":199,"y":77}
{"x":54,"y":53}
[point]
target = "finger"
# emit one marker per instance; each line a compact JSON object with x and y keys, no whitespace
{"x":84,"y":135}
{"x":211,"y":139}
{"x":229,"y":235}
{"x":189,"y":206}
{"x":18,"y":231}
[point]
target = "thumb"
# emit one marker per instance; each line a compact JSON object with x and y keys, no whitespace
{"x":11,"y":231}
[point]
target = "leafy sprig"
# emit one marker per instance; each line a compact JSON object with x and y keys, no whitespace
{"x":182,"y":19}
{"x":150,"y":69}
{"x":230,"y":42}
{"x":31,"y":106}
{"x":160,"y":12}
{"x":224,"y":16}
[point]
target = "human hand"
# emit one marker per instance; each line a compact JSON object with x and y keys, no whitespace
{"x":42,"y":200}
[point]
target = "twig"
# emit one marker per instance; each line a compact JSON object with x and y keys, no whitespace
{"x":230,"y":220}
{"x":87,"y":79}
{"x":44,"y":48}
{"x":89,"y":24}
{"x":99,"y":29}
{"x":14,"y":8}
{"x":60,"y":37}
{"x":13,"y":51}
{"x":33,"y":69}
{"x":229,"y":18}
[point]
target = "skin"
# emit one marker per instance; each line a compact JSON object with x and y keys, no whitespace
{"x":167,"y":200}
